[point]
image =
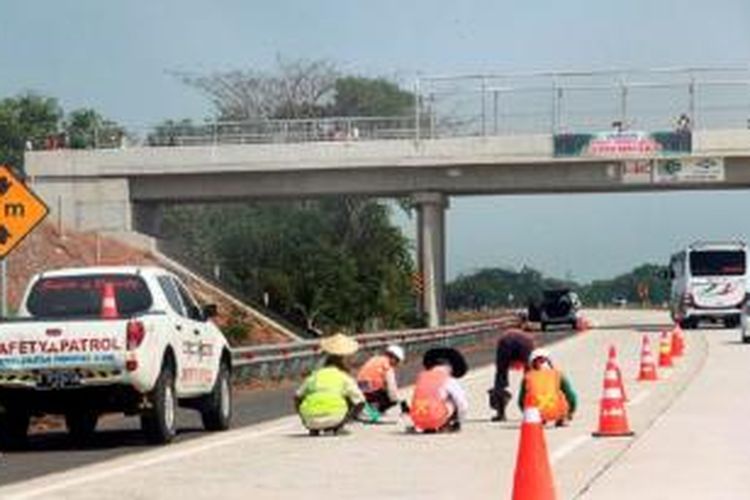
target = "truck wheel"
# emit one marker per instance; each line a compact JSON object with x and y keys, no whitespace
{"x":81,"y":425}
{"x":216,"y":407}
{"x":14,"y":429}
{"x":159,"y":424}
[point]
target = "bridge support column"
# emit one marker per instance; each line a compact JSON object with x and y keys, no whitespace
{"x":147,"y":218}
{"x":431,"y":254}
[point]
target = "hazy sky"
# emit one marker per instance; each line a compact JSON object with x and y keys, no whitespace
{"x":114,"y":55}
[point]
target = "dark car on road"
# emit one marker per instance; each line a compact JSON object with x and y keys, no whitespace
{"x":556,"y":307}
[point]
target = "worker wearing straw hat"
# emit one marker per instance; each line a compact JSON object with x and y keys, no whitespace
{"x":330,"y":397}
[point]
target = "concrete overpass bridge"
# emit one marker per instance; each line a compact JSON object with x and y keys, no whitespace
{"x":121,"y":189}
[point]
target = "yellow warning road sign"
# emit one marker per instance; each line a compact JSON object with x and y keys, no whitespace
{"x":20,"y":211}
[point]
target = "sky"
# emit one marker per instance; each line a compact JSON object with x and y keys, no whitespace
{"x":117,"y":56}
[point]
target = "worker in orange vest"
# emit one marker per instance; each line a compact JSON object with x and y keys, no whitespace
{"x":439,"y":403}
{"x":377,"y":379}
{"x":547,"y":389}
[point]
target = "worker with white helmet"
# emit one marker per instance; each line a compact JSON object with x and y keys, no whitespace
{"x":546,"y":388}
{"x":377,"y":379}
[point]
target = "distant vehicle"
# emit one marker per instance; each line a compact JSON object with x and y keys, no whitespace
{"x":708,"y":283}
{"x":95,"y":340}
{"x":557,"y":307}
{"x":620,"y":301}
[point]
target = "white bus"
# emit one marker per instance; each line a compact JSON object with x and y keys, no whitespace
{"x":708,"y":283}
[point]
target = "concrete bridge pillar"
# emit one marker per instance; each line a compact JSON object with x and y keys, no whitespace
{"x":431,"y":208}
{"x":147,"y":218}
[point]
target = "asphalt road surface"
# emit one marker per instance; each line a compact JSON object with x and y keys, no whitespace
{"x":276,"y":459}
{"x":117,"y":436}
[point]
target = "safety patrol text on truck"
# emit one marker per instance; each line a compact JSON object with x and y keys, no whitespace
{"x":112,"y":339}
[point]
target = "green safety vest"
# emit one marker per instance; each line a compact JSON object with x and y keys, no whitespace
{"x":325,"y":397}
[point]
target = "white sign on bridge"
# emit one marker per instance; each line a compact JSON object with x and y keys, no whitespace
{"x":673,"y":171}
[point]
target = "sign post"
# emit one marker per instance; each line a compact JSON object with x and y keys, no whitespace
{"x":4,"y":291}
{"x":21,"y":210}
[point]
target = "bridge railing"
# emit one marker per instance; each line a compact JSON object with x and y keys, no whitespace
{"x":296,"y":359}
{"x":487,"y":105}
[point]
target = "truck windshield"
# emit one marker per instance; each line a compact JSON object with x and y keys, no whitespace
{"x":717,"y":263}
{"x":81,"y":296}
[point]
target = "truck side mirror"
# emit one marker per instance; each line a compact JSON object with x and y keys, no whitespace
{"x":210,"y":311}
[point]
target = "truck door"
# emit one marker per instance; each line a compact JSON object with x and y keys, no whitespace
{"x":200,"y":346}
{"x":181,"y":336}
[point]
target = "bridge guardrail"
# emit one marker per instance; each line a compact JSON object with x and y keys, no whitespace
{"x":295,"y":359}
{"x":546,"y":102}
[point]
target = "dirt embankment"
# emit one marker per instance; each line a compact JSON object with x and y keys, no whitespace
{"x":45,"y":249}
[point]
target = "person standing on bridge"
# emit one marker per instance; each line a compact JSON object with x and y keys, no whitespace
{"x":377,"y":379}
{"x":329,"y":397}
{"x":513,"y":350}
{"x":547,"y":389}
{"x":439,"y":403}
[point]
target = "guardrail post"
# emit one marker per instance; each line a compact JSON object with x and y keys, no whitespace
{"x":623,"y":104}
{"x":484,"y":107}
{"x":417,"y":105}
{"x":691,"y":101}
{"x":495,"y":111}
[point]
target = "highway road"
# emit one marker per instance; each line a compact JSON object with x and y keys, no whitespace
{"x":52,"y":452}
{"x":687,"y":415}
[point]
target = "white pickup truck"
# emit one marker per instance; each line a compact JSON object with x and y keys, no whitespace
{"x":96,"y":340}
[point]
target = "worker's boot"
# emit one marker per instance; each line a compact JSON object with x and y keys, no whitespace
{"x":404,"y":407}
{"x":503,"y":399}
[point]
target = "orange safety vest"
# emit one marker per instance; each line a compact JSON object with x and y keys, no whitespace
{"x":429,"y":410}
{"x":543,"y":391}
{"x":371,"y":376}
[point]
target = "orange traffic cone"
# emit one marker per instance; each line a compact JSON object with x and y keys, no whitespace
{"x":533,"y":477}
{"x":678,"y":342}
{"x":648,"y":365}
{"x":109,"y":302}
{"x":612,"y":361}
{"x":613,"y":420}
{"x":665,"y":351}
{"x":582,"y":324}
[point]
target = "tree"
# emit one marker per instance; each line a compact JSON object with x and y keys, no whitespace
{"x":626,"y":286}
{"x":358,"y":96}
{"x":297,"y":89}
{"x":85,"y":128}
{"x":26,"y":121}
{"x":325,"y":264}
{"x":173,"y":132}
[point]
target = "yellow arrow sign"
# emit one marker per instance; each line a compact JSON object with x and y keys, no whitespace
{"x":20,"y":211}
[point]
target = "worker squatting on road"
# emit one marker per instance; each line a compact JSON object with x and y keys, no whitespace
{"x":377,"y":380}
{"x":330,"y":397}
{"x":548,"y":389}
{"x":513,"y":350}
{"x":439,"y":402}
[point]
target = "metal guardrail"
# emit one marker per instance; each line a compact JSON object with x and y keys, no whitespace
{"x":296,"y":359}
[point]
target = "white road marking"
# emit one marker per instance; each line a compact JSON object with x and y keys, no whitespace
{"x":640,"y":398}
{"x":569,"y":447}
{"x":56,"y":482}
{"x":61,"y":482}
